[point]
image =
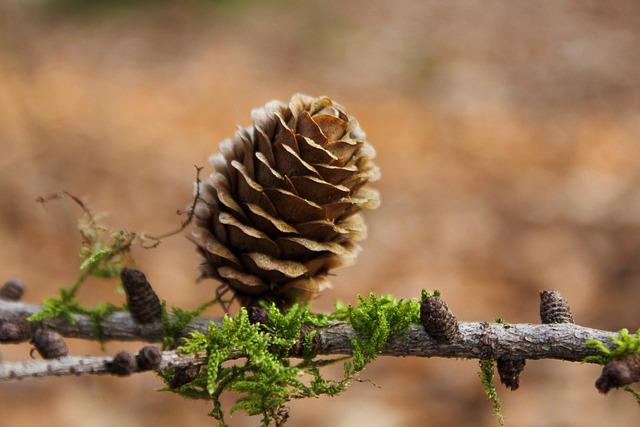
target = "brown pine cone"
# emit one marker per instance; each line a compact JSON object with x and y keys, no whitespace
{"x":554,"y":308}
{"x":49,"y":344}
{"x":149,"y":357}
{"x":437,"y":319}
{"x":123,"y":364}
{"x":280,"y":210}
{"x":142,"y":301}
{"x":509,"y":371}
{"x":12,"y":290}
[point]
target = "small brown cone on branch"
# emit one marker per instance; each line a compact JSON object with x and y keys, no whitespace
{"x":554,"y":308}
{"x":509,"y":371}
{"x":142,"y":301}
{"x":281,"y":209}
{"x":437,"y":318}
{"x":49,"y":344}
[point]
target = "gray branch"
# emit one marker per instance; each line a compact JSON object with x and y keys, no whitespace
{"x":84,"y":365}
{"x":120,"y":326}
{"x":479,"y":340}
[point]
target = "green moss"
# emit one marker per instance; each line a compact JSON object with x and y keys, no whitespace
{"x":486,"y":376}
{"x":376,"y":320}
{"x":174,"y":325}
{"x":265,"y":380}
{"x":263,"y":373}
{"x":623,"y":344}
{"x":425,"y":294}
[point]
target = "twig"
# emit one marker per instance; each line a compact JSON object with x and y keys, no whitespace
{"x":119,"y":326}
{"x":85,"y":365}
{"x":190,"y":211}
{"x":55,"y":196}
{"x":478,"y":340}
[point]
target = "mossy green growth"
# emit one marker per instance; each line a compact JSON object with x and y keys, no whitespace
{"x":424,"y":294}
{"x":173,"y":325}
{"x":486,"y":376}
{"x":264,"y":374}
{"x":376,"y":320}
{"x":623,"y":345}
{"x":103,"y":253}
{"x":266,"y":380}
{"x":68,"y":305}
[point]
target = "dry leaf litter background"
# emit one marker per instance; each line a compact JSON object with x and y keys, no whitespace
{"x":507,"y":136}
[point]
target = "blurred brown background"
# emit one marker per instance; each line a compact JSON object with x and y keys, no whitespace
{"x":507,"y":134}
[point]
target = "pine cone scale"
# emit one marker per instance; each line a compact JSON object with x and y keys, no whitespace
{"x":316,"y":154}
{"x":337,"y":175}
{"x":272,"y":269}
{"x":294,"y":209}
{"x":249,"y":191}
{"x":210,"y":244}
{"x":272,"y":225}
{"x":244,"y":282}
{"x":318,"y":190}
{"x":308,"y":127}
{"x":265,"y":173}
{"x":246,"y":238}
{"x":289,"y":163}
{"x":221,"y":185}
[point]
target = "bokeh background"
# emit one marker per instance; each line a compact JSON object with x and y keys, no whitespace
{"x":507,"y":134}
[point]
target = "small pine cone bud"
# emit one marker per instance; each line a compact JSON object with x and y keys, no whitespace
{"x":144,"y":305}
{"x":281,"y":209}
{"x":258,"y":315}
{"x":509,"y":371}
{"x":437,"y":319}
{"x":149,"y":357}
{"x":619,"y":373}
{"x":11,"y":333}
{"x":184,"y":375}
{"x":123,"y":364}
{"x":49,"y":344}
{"x":12,"y":290}
{"x":554,"y":308}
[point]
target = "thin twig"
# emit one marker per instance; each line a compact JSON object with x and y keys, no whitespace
{"x":88,"y":365}
{"x":190,"y":212}
{"x":477,"y":340}
{"x":43,"y":200}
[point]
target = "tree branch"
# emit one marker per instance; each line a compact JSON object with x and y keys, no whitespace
{"x":479,"y":340}
{"x":84,"y":365}
{"x":119,"y":326}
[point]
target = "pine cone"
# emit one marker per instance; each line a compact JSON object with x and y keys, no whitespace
{"x":437,"y":319}
{"x":143,"y":302}
{"x":509,"y":371}
{"x":12,"y":290}
{"x":49,"y":344}
{"x":280,"y":210}
{"x":123,"y":364}
{"x":554,"y":308}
